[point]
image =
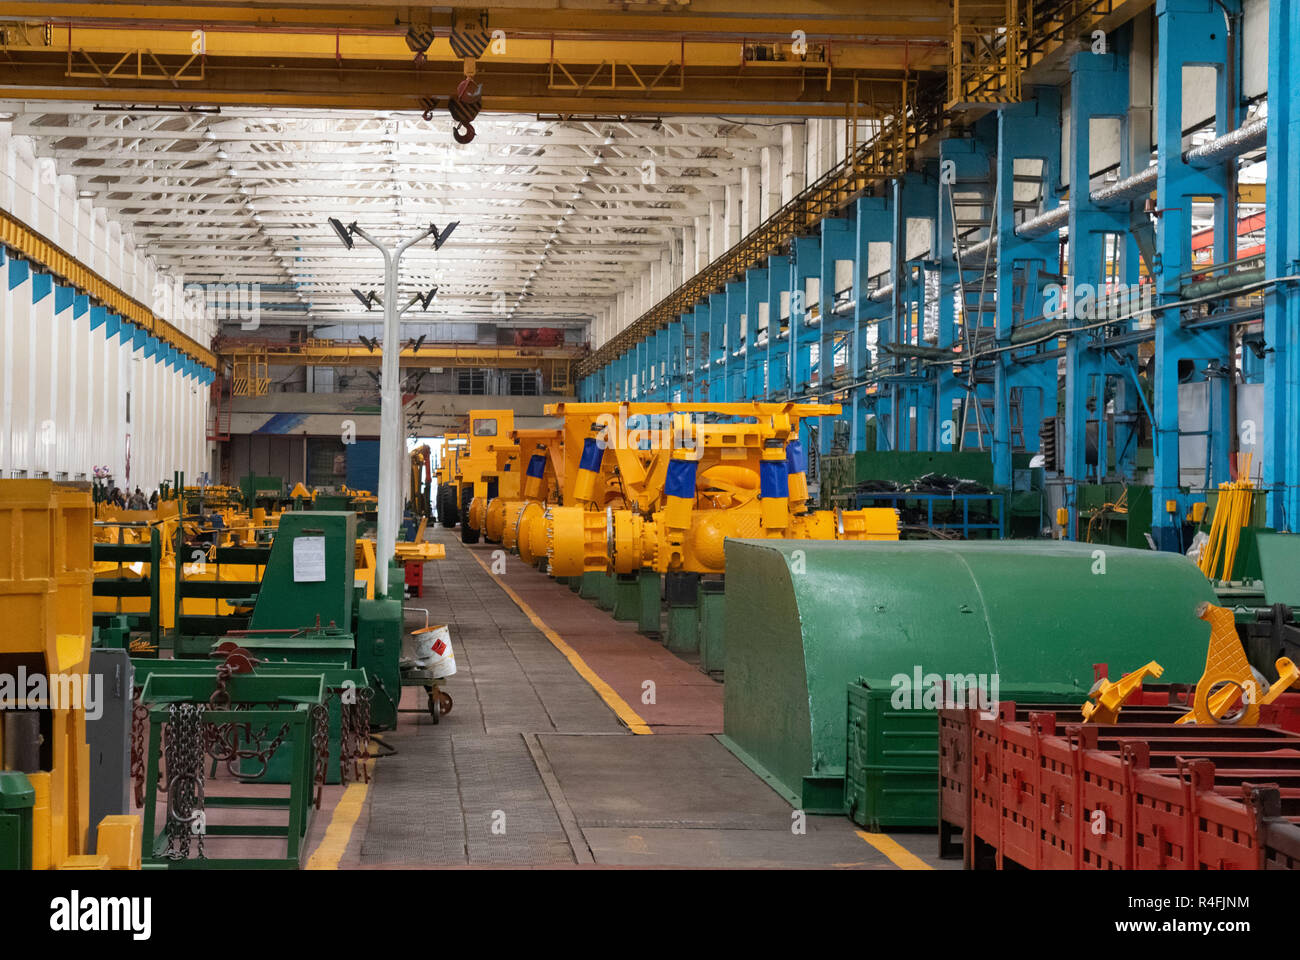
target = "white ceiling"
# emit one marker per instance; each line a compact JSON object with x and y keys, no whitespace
{"x":555,"y":217}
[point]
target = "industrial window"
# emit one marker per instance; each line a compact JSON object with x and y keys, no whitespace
{"x":471,"y":382}
{"x":521,"y":383}
{"x":326,"y":462}
{"x":485,"y":428}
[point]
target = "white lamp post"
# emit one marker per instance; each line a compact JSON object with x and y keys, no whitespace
{"x":391,"y":447}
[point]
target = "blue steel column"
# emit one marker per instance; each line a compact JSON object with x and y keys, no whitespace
{"x":700,"y":360}
{"x":1191,"y":32}
{"x":687,"y":356}
{"x":659,"y":368}
{"x":874,"y":223}
{"x":778,"y":344}
{"x":1026,"y":131}
{"x":627,"y":377}
{"x":673,"y":369}
{"x":733,"y":365}
{"x":805,"y":263}
{"x":1099,"y":89}
{"x":837,"y":236}
{"x":916,"y":196}
{"x":967,"y":159}
{"x":1280,"y":432}
{"x":717,"y":373}
{"x":756,"y":293}
{"x":654,"y":345}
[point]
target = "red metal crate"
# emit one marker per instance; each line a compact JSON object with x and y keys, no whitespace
{"x":985,"y":782}
{"x":1279,"y":836}
{"x":1145,"y":794}
{"x":415,"y":577}
{"x":954,"y":782}
{"x":1104,"y":835}
{"x":1058,"y":803}
{"x":1163,"y":833}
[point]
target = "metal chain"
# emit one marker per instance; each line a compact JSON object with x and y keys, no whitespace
{"x":320,"y":741}
{"x":354,"y":738}
{"x":139,"y":729}
{"x":184,"y":754}
{"x":221,"y":741}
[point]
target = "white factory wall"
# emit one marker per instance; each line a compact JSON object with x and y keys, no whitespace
{"x":65,"y":389}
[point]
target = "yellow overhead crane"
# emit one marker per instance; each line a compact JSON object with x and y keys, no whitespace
{"x":746,"y":57}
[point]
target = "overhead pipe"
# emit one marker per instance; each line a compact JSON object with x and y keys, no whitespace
{"x":1219,"y":150}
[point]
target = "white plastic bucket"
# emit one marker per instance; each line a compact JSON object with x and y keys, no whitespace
{"x":433,"y":650}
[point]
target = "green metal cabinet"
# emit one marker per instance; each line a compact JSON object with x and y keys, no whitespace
{"x":891,"y":772}
{"x":16,"y":801}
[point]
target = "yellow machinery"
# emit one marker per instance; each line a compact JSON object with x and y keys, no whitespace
{"x":687,"y":485}
{"x":487,"y":467}
{"x":236,"y":528}
{"x":1231,"y":513}
{"x":590,"y":464}
{"x":541,"y":451}
{"x":45,"y":602}
{"x":421,"y":481}
{"x":445,"y":476}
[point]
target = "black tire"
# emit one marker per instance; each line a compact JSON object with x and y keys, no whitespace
{"x":447,"y":506}
{"x":467,"y":533}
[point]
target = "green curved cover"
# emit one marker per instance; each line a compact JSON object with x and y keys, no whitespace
{"x":806,"y":618}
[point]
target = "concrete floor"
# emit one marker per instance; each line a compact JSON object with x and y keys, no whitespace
{"x":534,"y":768}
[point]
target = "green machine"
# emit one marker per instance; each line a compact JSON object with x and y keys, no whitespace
{"x":261,"y":491}
{"x":805,"y":619}
{"x":307,"y":608}
{"x":310,"y":574}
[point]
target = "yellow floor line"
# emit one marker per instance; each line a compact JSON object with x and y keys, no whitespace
{"x":339,"y":833}
{"x":895,"y":851}
{"x":612,"y":699}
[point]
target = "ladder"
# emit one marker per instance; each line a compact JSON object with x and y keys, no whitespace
{"x":219,"y":425}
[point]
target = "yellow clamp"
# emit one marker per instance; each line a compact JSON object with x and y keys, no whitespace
{"x":1228,"y":676}
{"x":1106,"y":698}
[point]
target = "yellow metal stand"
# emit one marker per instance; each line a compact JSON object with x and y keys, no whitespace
{"x":1106,"y":698}
{"x":1228,"y":676}
{"x":46,"y":572}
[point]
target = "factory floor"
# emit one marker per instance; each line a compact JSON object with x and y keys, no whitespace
{"x":551,"y":755}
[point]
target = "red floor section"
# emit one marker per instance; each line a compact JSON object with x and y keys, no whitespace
{"x":685,"y":700}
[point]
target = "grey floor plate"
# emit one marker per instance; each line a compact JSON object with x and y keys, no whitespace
{"x":458,"y":799}
{"x":677,"y":781}
{"x":509,"y":678}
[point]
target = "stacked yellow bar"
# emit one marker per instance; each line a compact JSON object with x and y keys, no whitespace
{"x":1231,"y":513}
